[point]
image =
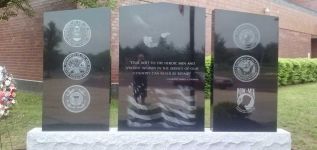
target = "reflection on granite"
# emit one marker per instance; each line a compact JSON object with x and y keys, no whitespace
{"x":245,"y":72}
{"x":161,"y":67}
{"x":76,"y":70}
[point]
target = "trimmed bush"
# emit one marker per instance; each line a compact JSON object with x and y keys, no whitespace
{"x":296,"y":71}
{"x":290,"y":71}
{"x":209,"y":64}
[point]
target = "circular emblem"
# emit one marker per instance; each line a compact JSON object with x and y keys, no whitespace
{"x":77,"y":33}
{"x":245,"y":108}
{"x":76,"y":66}
{"x":76,"y":98}
{"x":246,"y":36}
{"x":246,"y":68}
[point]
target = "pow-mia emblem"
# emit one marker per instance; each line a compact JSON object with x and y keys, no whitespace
{"x":76,"y":98}
{"x":76,"y":66}
{"x":246,"y":36}
{"x":246,"y":68}
{"x":77,"y":33}
{"x":245,"y":100}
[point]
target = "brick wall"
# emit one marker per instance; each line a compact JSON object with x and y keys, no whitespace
{"x":314,"y":48}
{"x":21,"y":40}
{"x":312,"y":4}
{"x":294,"y":44}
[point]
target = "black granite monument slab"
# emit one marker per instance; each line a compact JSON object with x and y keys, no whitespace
{"x":245,"y":71}
{"x":162,"y":50}
{"x":76,"y":70}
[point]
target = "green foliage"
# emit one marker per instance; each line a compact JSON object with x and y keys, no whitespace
{"x":208,"y":75}
{"x":27,"y":114}
{"x":297,"y":114}
{"x":95,"y":3}
{"x":10,"y":8}
{"x":296,"y":71}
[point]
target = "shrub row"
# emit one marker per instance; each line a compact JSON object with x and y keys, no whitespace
{"x":209,"y":64}
{"x":296,"y":71}
{"x":290,"y":71}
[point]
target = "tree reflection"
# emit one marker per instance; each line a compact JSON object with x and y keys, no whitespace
{"x":52,"y":38}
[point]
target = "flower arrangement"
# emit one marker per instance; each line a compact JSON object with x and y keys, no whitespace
{"x":7,"y":92}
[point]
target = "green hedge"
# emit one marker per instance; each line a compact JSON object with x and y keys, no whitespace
{"x":290,"y":71}
{"x":296,"y":71}
{"x":208,"y":75}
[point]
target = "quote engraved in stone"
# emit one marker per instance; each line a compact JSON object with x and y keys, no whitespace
{"x":76,"y":66}
{"x":161,"y":75}
{"x":76,"y":99}
{"x":77,"y":33}
{"x":245,"y":100}
{"x":246,"y":36}
{"x":246,"y":68}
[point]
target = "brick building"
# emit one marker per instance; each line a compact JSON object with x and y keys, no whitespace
{"x":21,"y":38}
{"x":310,"y":4}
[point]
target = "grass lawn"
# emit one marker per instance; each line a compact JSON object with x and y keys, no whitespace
{"x":297,"y":113}
{"x":26,"y":115}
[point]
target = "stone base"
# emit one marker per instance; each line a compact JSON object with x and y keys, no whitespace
{"x":133,"y":140}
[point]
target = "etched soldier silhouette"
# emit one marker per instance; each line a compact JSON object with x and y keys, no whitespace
{"x":140,"y":81}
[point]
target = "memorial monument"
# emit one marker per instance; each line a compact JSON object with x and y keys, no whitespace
{"x":161,"y":69}
{"x":76,"y":70}
{"x":161,"y":86}
{"x":246,"y":54}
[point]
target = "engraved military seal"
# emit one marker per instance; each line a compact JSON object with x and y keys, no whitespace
{"x":246,"y":36}
{"x":76,"y":99}
{"x":77,"y":33}
{"x":246,"y":68}
{"x":76,"y":66}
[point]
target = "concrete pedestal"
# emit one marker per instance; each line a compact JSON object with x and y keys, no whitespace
{"x":133,"y":140}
